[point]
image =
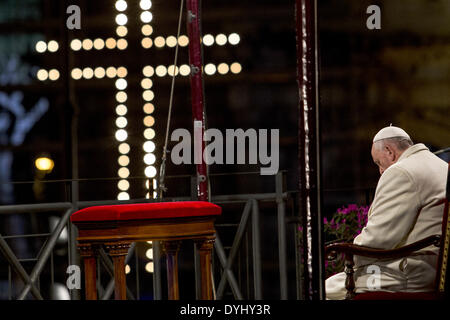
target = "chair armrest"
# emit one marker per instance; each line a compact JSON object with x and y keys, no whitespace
{"x":353,"y":249}
{"x":350,"y":250}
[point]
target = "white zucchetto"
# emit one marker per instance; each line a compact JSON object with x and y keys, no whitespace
{"x":391,"y":132}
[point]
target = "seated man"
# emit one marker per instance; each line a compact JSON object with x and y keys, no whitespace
{"x":408,"y":206}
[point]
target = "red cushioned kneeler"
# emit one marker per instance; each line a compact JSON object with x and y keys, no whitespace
{"x":115,"y":227}
{"x":137,"y":211}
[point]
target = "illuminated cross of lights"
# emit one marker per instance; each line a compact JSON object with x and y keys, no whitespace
{"x":148,"y":72}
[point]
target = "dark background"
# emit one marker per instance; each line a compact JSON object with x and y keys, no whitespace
{"x":368,"y":79}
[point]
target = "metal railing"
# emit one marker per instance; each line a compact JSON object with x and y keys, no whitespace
{"x":250,"y":218}
{"x":243,"y":251}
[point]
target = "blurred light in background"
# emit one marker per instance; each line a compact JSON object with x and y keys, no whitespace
{"x":99,"y":44}
{"x":121,"y":110}
{"x":236,"y":67}
{"x":120,"y":73}
{"x":208,"y":40}
{"x":121,"y":122}
{"x":121,"y":135}
{"x":99,"y":72}
{"x":234,"y":38}
{"x":183,"y":41}
{"x":221,"y":39}
{"x":76,"y":73}
{"x":161,"y":71}
{"x":44,"y":164}
{"x":110,"y":43}
{"x":149,"y":108}
{"x":171,"y":41}
{"x":148,"y":71}
{"x":53,"y":74}
{"x":121,"y":19}
{"x":123,"y":196}
{"x":160,"y":42}
{"x":146,"y":16}
{"x":121,"y":97}
{"x":121,"y":84}
{"x":150,"y":171}
{"x":123,"y":172}
{"x":111,"y":72}
{"x":146,"y":43}
{"x":210,"y":69}
{"x":223,"y":68}
{"x":149,"y":158}
{"x":170,"y":70}
{"x":123,"y":161}
{"x":42,"y":74}
{"x":52,"y":46}
{"x":145,"y":4}
{"x":41,"y":46}
{"x":121,"y":31}
{"x":88,"y":73}
{"x":149,"y":121}
{"x":149,"y":267}
{"x":87,"y":44}
{"x":121,"y":5}
{"x":149,"y":133}
{"x":124,"y":148}
{"x":185,"y":70}
{"x":75,"y":44}
{"x":123,"y":185}
{"x":149,"y":253}
{"x":122,"y":44}
{"x":148,"y":95}
{"x":147,"y":29}
{"x":147,"y":83}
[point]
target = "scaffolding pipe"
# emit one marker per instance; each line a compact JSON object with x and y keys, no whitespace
{"x":281,"y":222}
{"x":197,"y":96}
{"x":256,"y":245}
{"x":309,"y":147}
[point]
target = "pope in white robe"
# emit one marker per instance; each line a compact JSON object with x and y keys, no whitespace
{"x":408,"y":206}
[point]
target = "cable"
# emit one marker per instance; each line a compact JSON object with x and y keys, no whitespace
{"x":162,"y":172}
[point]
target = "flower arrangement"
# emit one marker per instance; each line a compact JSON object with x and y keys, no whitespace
{"x":345,"y":224}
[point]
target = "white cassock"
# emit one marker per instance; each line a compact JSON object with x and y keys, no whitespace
{"x":408,"y":206}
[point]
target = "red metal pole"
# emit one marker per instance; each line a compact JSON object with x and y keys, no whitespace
{"x":198,"y":112}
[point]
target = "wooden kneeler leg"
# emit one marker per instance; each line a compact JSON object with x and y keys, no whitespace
{"x":118,"y":252}
{"x":171,"y":251}
{"x":204,"y":247}
{"x":88,"y":254}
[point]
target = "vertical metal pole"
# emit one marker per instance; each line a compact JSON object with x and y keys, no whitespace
{"x":198,"y":284}
{"x":71,"y":112}
{"x":309,"y":146}
{"x":256,"y":245}
{"x":197,"y":96}
{"x":157,"y":289}
{"x":9,"y":282}
{"x":281,"y":236}
{"x":52,"y":269}
{"x":136,"y":260}
{"x":298,"y":257}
